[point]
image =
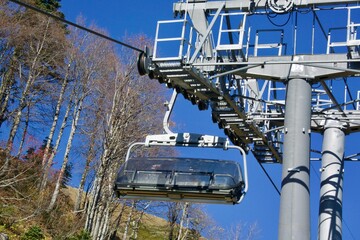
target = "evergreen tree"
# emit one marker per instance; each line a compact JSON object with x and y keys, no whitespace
{"x":49,"y":5}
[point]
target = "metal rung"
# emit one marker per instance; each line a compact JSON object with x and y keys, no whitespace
{"x":267,"y":160}
{"x":171,"y":70}
{"x":201,"y":90}
{"x":227,"y":115}
{"x":169,"y":64}
{"x":233,"y":122}
{"x":232,"y":119}
{"x":177,"y":75}
{"x":190,"y":80}
{"x":268,"y":153}
{"x":222,"y":103}
{"x":195,"y":85}
{"x":261,"y":148}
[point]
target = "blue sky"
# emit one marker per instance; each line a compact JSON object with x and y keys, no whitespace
{"x":261,"y":205}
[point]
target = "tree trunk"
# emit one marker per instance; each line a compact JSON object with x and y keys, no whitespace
{"x":95,"y":198}
{"x":22,"y":103}
{"x":123,"y":110}
{"x":128,"y":221}
{"x":117,"y":221}
{"x":173,"y":213}
{"x":186,"y":230}
{"x":5,"y":91}
{"x":76,"y":115}
{"x":55,"y":119}
{"x":24,"y":133}
{"x":16,"y":122}
{"x":183,"y":218}
{"x":100,"y":199}
{"x":100,"y":220}
{"x":57,"y":144}
{"x":98,"y":190}
{"x":89,"y":158}
{"x":137,"y":221}
{"x":104,"y":224}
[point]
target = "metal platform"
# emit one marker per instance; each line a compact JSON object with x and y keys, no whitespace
{"x":215,"y":64}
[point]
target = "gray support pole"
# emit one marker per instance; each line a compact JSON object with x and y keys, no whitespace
{"x":294,"y":221}
{"x":330,"y":210}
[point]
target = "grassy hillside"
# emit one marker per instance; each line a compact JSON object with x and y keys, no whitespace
{"x":23,"y":212}
{"x":151,"y":227}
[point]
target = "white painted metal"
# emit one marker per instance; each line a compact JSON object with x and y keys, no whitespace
{"x":274,"y":45}
{"x":331,"y":191}
{"x":294,"y":220}
{"x":239,"y":31}
{"x":351,"y":29}
{"x":234,"y":81}
{"x":245,"y":4}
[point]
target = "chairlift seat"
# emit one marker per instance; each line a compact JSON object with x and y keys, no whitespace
{"x":183,"y":179}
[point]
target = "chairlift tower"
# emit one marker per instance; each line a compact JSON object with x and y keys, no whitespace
{"x":267,"y":91}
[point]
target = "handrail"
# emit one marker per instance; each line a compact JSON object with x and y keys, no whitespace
{"x":243,"y":153}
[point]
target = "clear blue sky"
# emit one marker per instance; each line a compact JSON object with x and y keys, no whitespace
{"x":261,"y":205}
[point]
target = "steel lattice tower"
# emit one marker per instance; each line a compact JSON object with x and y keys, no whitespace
{"x":267,"y":92}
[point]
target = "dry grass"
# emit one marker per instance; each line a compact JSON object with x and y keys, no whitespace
{"x":21,"y":207}
{"x":151,"y":227}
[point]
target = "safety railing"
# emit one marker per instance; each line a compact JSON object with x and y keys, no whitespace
{"x":177,"y":46}
{"x":351,"y":32}
{"x":277,"y":44}
{"x":319,"y":102}
{"x":235,"y":35}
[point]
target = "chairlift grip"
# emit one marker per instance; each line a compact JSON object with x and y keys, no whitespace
{"x":170,"y":106}
{"x":186,"y":140}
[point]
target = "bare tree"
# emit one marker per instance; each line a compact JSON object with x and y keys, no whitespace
{"x":31,"y":77}
{"x":90,"y":155}
{"x":241,"y":231}
{"x":76,"y":116}
{"x":195,"y":222}
{"x":8,"y":31}
{"x":49,"y":162}
{"x":34,"y":56}
{"x":128,"y":221}
{"x":24,"y":132}
{"x":142,"y":207}
{"x":173,"y":212}
{"x":88,"y":67}
{"x":66,"y":76}
{"x":56,"y":116}
{"x":184,"y":221}
{"x":114,"y":227}
{"x":129,"y":111}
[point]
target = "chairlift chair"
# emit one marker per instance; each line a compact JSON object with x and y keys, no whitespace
{"x":183,"y":179}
